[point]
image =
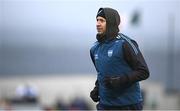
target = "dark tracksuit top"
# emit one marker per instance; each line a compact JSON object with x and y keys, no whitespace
{"x":119,"y":57}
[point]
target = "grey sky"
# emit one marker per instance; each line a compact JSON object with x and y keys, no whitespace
{"x":58,"y":23}
{"x":54,"y":36}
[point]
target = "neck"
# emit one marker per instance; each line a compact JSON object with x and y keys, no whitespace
{"x":100,"y":37}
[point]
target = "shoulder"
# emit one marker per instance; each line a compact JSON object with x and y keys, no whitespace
{"x":127,"y":40}
{"x":93,"y":47}
{"x":95,"y":44}
{"x":129,"y":43}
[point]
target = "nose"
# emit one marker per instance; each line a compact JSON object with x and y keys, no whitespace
{"x":98,"y":23}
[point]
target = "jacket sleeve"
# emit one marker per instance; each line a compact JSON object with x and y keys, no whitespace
{"x":95,"y":92}
{"x":137,"y":63}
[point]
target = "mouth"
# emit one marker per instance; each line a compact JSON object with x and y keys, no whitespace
{"x":99,"y":29}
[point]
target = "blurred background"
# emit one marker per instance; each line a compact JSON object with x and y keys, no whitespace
{"x":44,"y":51}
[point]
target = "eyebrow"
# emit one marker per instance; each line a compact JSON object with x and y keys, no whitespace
{"x":101,"y":19}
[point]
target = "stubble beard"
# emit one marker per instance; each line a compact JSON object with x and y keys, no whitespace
{"x":100,"y":33}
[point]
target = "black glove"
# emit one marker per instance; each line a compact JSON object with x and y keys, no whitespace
{"x":94,"y":94}
{"x":116,"y":82}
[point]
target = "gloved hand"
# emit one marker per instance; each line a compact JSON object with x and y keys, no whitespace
{"x":94,"y":94}
{"x":116,"y":82}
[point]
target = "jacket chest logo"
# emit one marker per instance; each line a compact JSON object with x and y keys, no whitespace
{"x":110,"y":52}
{"x":96,"y":56}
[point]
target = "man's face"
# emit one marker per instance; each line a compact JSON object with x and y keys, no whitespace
{"x":101,"y":25}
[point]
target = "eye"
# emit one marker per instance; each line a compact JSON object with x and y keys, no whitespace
{"x":101,"y":20}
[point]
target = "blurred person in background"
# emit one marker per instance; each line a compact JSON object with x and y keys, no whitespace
{"x":119,"y":64}
{"x":27,"y":93}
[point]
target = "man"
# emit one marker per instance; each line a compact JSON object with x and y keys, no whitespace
{"x":119,"y":64}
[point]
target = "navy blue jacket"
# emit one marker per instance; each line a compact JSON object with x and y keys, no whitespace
{"x":119,"y":57}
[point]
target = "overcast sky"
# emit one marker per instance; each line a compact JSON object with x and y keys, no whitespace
{"x":54,"y":36}
{"x":71,"y":23}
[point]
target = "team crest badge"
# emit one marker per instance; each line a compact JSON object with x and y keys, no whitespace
{"x":110,"y":52}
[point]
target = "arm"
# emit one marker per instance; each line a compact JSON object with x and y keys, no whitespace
{"x":94,"y":94}
{"x":136,"y":62}
{"x":138,"y":65}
